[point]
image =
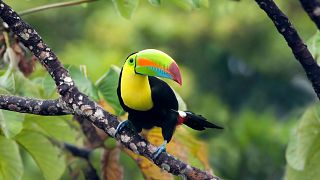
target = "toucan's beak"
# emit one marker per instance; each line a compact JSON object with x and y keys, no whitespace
{"x":153,"y":62}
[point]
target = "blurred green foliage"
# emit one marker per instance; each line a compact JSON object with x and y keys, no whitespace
{"x":303,"y":149}
{"x":236,"y":68}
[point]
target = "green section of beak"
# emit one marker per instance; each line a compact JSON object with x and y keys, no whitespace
{"x":153,"y":62}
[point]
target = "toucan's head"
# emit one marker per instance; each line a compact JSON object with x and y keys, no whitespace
{"x":152,"y":62}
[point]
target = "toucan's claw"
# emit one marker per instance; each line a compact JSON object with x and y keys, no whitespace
{"x":121,"y":126}
{"x":160,"y":149}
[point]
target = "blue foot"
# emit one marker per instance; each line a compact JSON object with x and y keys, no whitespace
{"x":161,"y":149}
{"x":121,"y":126}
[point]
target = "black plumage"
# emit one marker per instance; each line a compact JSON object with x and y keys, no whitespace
{"x":161,"y":114}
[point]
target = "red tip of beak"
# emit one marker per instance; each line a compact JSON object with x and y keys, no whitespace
{"x":175,"y":72}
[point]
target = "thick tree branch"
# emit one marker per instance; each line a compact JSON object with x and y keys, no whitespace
{"x":33,"y":106}
{"x":83,"y":106}
{"x":294,"y":41}
{"x":93,"y":138}
{"x":312,"y":7}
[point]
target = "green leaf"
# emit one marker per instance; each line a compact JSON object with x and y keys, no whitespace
{"x":56,"y":127}
{"x":24,"y":86}
{"x":314,"y":46}
{"x":155,"y":2}
{"x":11,"y":166}
{"x":310,"y":172}
{"x":48,"y":85}
{"x":4,"y":91}
{"x":95,"y":158}
{"x":10,"y":123}
{"x":107,"y":85}
{"x":125,"y":7}
{"x":48,"y":157}
{"x":201,"y":3}
{"x":304,"y":142}
{"x":184,"y":4}
{"x":83,"y":83}
{"x":7,"y":81}
{"x":16,"y":83}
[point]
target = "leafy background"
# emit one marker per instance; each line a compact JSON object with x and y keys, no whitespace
{"x":237,"y":71}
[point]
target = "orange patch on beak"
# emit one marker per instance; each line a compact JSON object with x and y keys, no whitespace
{"x":147,"y":62}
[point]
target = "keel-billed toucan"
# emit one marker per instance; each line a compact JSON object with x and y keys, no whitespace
{"x":150,"y":101}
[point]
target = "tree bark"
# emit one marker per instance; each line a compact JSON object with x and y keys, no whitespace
{"x":34,"y":106}
{"x":312,"y":7}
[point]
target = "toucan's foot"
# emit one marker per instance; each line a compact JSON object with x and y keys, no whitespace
{"x":160,"y":149}
{"x":121,"y":126}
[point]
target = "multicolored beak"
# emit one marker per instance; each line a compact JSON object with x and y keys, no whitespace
{"x":153,"y":62}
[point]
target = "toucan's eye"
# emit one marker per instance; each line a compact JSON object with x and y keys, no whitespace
{"x":131,"y":61}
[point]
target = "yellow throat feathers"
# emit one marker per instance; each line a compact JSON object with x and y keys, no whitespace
{"x":135,"y":90}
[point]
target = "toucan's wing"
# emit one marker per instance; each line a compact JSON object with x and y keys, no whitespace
{"x":163,"y":96}
{"x":164,"y":100}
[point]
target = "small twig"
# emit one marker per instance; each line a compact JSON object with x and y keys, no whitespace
{"x":54,"y":5}
{"x":76,"y":151}
{"x":312,"y":7}
{"x":90,"y":172}
{"x":299,"y":49}
{"x":33,"y":106}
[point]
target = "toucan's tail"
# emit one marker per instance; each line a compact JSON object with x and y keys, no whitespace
{"x":197,"y":122}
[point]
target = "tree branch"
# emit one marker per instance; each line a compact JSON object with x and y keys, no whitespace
{"x":92,"y":136}
{"x":33,"y":106}
{"x":299,"y":49}
{"x":54,"y":5}
{"x":76,"y":151}
{"x":83,"y":106}
{"x":312,"y":7}
{"x":90,"y":172}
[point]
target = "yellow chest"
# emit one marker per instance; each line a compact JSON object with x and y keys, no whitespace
{"x":135,"y":91}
